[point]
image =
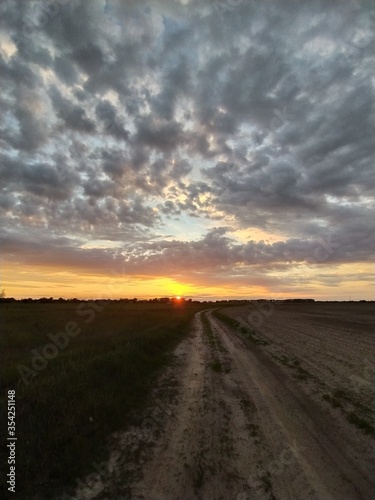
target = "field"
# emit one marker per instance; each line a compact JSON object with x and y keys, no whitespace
{"x":258,"y":401}
{"x":73,"y":396}
{"x":330,"y":347}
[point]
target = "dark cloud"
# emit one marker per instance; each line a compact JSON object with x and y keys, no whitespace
{"x":41,"y":179}
{"x":73,"y":115}
{"x":176,"y":83}
{"x":106,"y":112}
{"x":164,"y":136}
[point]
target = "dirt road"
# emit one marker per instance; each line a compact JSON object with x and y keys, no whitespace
{"x":239,"y":427}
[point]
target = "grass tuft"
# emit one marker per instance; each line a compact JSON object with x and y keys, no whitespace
{"x":361,"y":423}
{"x":248,"y":332}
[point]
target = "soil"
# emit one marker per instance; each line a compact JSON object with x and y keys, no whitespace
{"x":262,"y":413}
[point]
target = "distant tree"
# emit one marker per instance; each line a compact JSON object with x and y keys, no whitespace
{"x":45,"y":300}
{"x":2,"y":294}
{"x":7,"y":299}
{"x":164,"y":300}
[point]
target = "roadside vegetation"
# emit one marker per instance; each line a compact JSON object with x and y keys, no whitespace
{"x":355,"y":412}
{"x":97,"y":383}
{"x":245,"y":330}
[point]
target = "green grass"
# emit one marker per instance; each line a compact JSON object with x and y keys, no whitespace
{"x":98,"y":384}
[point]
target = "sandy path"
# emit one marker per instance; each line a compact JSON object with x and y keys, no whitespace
{"x":207,"y":445}
{"x":239,"y":427}
{"x":167,"y":475}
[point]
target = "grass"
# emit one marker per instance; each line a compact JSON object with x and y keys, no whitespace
{"x":198,"y":476}
{"x":356,"y":413}
{"x":295,"y":365}
{"x":332,"y":400}
{"x":245,"y":330}
{"x":216,"y":366}
{"x":97,"y":384}
{"x":266,"y":479}
{"x":361,"y":423}
{"x":301,"y":373}
{"x":225,"y":319}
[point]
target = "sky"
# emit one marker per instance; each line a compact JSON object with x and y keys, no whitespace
{"x":217,"y":149}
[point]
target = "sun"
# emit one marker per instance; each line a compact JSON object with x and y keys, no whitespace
{"x":178,"y":297}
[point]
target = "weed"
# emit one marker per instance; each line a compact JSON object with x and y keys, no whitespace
{"x":216,"y":366}
{"x":332,"y":400}
{"x":245,"y":330}
{"x":361,"y":423}
{"x":360,"y":417}
{"x":198,"y":476}
{"x":266,"y":480}
{"x":295,"y":365}
{"x":253,"y":429}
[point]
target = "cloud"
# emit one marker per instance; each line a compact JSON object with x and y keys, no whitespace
{"x":215,"y":256}
{"x":165,"y":136}
{"x":73,"y":115}
{"x":157,"y":118}
{"x":106,"y":112}
{"x":41,"y":179}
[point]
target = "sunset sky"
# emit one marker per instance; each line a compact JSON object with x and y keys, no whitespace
{"x":208,"y":149}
